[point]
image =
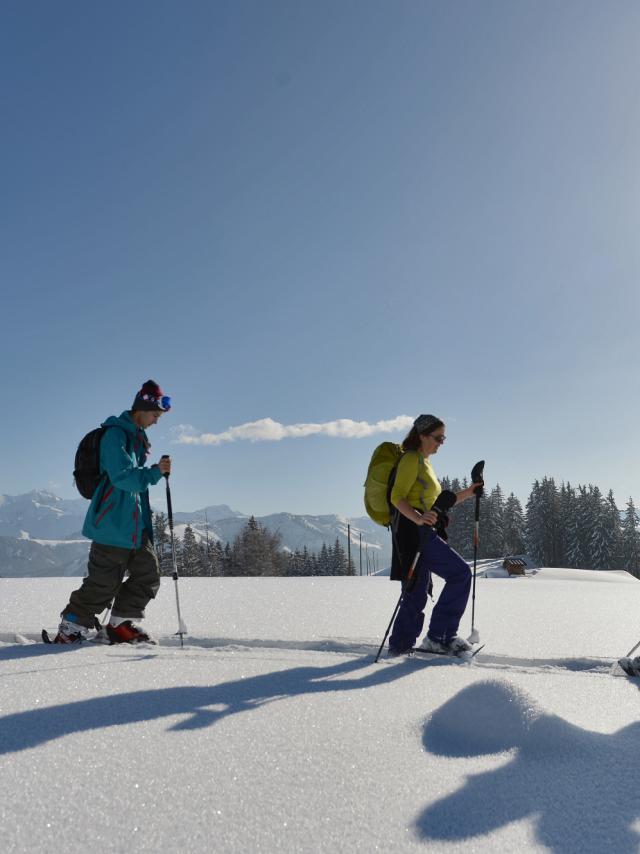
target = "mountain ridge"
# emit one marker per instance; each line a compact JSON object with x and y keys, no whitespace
{"x":40,"y":533}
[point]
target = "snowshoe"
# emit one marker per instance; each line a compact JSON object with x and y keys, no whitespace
{"x":456,"y":646}
{"x":393,"y":652}
{"x":631,"y":666}
{"x":68,"y":633}
{"x":128,"y":632}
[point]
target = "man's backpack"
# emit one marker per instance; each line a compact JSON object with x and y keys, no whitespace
{"x":377,"y":487}
{"x":86,"y":473}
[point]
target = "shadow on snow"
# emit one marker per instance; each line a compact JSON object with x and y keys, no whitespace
{"x":203,"y":705}
{"x":580,"y":787}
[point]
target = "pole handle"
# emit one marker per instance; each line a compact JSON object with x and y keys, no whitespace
{"x":169,"y":506}
{"x":165,"y":457}
{"x":477,"y":476}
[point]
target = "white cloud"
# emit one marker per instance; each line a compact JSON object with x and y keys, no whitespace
{"x":268,"y":430}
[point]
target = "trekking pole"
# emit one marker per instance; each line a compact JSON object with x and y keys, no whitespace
{"x":406,"y":584}
{"x":443,"y":502}
{"x":631,"y":651}
{"x":477,"y":476}
{"x":100,"y":623}
{"x":182,"y":629}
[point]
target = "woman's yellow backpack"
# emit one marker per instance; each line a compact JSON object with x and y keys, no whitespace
{"x":380,"y":477}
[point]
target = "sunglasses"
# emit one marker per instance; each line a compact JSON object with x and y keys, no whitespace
{"x":439,"y":439}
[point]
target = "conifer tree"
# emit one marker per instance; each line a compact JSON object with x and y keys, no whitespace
{"x":162,"y":543}
{"x":550,"y":499}
{"x":573,"y":546}
{"x":314,"y":566}
{"x":630,"y":540}
{"x":333,"y":560}
{"x":514,"y":526}
{"x":228,"y":567}
{"x":563,"y":505}
{"x":256,"y":551}
{"x":323,"y":565}
{"x":339,"y":561}
{"x":212,"y":558}
{"x":295,"y":564}
{"x":492,"y":540}
{"x":535,"y":524}
{"x":461,"y":522}
{"x":613,"y":519}
{"x":601,"y":537}
{"x":585,"y":520}
{"x":307,"y":562}
{"x":543,"y":523}
{"x":191,"y":559}
{"x":345,"y":565}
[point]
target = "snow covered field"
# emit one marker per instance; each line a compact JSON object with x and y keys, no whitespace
{"x":274,"y":731}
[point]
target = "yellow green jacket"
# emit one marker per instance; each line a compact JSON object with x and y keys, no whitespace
{"x":416,"y":481}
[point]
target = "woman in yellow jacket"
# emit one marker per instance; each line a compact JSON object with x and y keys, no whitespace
{"x":413,"y":494}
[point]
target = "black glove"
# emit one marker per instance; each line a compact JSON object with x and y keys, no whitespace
{"x":477,"y":476}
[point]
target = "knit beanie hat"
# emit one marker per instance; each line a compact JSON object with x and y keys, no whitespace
{"x":425,"y":423}
{"x":151,"y":398}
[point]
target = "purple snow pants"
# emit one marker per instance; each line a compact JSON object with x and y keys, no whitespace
{"x":437,"y":557}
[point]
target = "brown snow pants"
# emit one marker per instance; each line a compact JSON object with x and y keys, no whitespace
{"x":107,"y":568}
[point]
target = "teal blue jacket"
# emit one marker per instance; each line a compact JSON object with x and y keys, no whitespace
{"x":119,"y":512}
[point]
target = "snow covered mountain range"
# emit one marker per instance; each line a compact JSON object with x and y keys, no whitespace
{"x":41,"y":515}
{"x":40,"y":533}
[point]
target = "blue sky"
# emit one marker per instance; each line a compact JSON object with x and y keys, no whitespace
{"x":312,"y":211}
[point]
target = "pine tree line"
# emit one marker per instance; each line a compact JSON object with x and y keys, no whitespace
{"x":561,"y":526}
{"x":254,"y":552}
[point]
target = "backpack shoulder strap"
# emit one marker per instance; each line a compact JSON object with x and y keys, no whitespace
{"x":127,"y":438}
{"x":106,"y":427}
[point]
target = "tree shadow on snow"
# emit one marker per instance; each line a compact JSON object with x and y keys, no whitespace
{"x":204,"y":705}
{"x":580,"y":787}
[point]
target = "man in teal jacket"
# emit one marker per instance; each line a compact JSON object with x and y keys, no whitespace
{"x":119,"y":524}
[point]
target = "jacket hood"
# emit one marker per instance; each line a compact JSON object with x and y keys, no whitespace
{"x":123,"y":421}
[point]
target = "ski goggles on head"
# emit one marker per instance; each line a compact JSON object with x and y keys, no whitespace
{"x":163,"y":403}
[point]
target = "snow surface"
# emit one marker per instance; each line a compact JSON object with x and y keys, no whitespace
{"x":274,"y":731}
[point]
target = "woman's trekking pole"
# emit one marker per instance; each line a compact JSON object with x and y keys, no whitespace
{"x":406,"y":584}
{"x":477,"y":476}
{"x":182,"y":629}
{"x":632,"y":650}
